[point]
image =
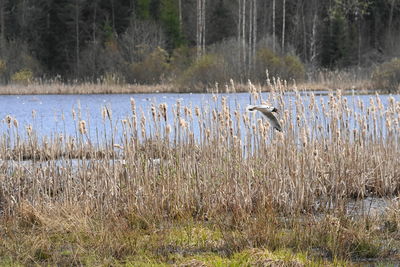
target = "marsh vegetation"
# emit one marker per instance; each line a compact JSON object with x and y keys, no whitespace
{"x":207,"y":184}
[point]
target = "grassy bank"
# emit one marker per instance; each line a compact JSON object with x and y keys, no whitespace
{"x":322,"y":81}
{"x":236,"y":192}
{"x":70,"y":236}
{"x":91,"y":88}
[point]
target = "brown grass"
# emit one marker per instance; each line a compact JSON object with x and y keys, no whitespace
{"x":85,"y":88}
{"x":255,"y":185}
{"x":358,"y":79}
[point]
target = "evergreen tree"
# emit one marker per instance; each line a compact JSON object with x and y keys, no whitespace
{"x":222,"y":24}
{"x":170,"y":20}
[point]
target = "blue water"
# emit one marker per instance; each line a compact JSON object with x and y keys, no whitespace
{"x":51,"y":114}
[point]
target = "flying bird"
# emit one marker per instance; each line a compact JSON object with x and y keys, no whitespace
{"x":268,"y":112}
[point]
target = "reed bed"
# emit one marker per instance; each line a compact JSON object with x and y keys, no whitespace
{"x":209,"y":162}
{"x":49,"y":88}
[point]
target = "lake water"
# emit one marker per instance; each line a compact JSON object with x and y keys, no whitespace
{"x":53,"y":113}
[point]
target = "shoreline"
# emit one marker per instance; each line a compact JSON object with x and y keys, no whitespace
{"x":91,"y":88}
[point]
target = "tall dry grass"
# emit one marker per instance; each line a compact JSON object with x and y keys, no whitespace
{"x":209,"y":160}
{"x":114,"y":192}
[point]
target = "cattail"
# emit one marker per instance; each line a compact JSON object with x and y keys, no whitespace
{"x":261,"y":126}
{"x":143,"y":121}
{"x":303,"y":137}
{"x":71,"y":144}
{"x":178,"y":108}
{"x":133,"y":105}
{"x":8,"y":120}
{"x":186,"y":110}
{"x":15,"y":122}
{"x":163,"y":110}
{"x":82,"y":127}
{"x":104,"y":113}
{"x":197,"y":111}
{"x":388,"y":123}
{"x":235,"y":140}
{"x":391,"y":101}
{"x":168,"y":129}
{"x":208,"y":133}
{"x":153,"y":112}
{"x":33,"y":114}
{"x":28,"y":130}
{"x":109,"y":113}
{"x":214,"y":115}
{"x":183,"y":123}
{"x":73,"y":114}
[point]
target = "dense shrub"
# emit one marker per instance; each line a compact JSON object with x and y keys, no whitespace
{"x":205,"y":72}
{"x":152,"y":69}
{"x":23,"y":76}
{"x":268,"y":60}
{"x":387,"y":75}
{"x":182,"y":58}
{"x":293,"y":68}
{"x":287,"y":67}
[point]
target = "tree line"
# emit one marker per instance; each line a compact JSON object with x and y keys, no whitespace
{"x":192,"y":41}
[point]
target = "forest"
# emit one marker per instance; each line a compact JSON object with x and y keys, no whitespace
{"x":193,"y":41}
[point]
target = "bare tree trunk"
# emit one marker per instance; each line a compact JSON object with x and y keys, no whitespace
{"x":249,"y":50}
{"x":198,"y":16}
{"x":2,"y":27}
{"x":201,"y":28}
{"x":77,"y":45}
{"x":180,"y":15}
{"x":254,"y":33}
{"x":359,"y":42}
{"x":283,"y":25}
{"x":203,"y":24}
{"x":239,"y":36}
{"x":303,"y":20}
{"x":23,"y":20}
{"x":243,"y":61}
{"x":112,"y":15}
{"x":390,"y":22}
{"x":273,"y":26}
{"x":94,"y":40}
{"x":313,"y":46}
{"x":94,"y":22}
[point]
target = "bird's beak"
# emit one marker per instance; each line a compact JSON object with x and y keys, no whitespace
{"x":275,"y":110}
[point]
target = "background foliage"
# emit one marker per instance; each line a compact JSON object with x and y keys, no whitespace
{"x":152,"y":41}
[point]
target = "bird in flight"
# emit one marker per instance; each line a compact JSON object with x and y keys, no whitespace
{"x":268,"y":112}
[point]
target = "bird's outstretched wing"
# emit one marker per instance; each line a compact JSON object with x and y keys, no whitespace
{"x":274,"y":121}
{"x":267,"y":111}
